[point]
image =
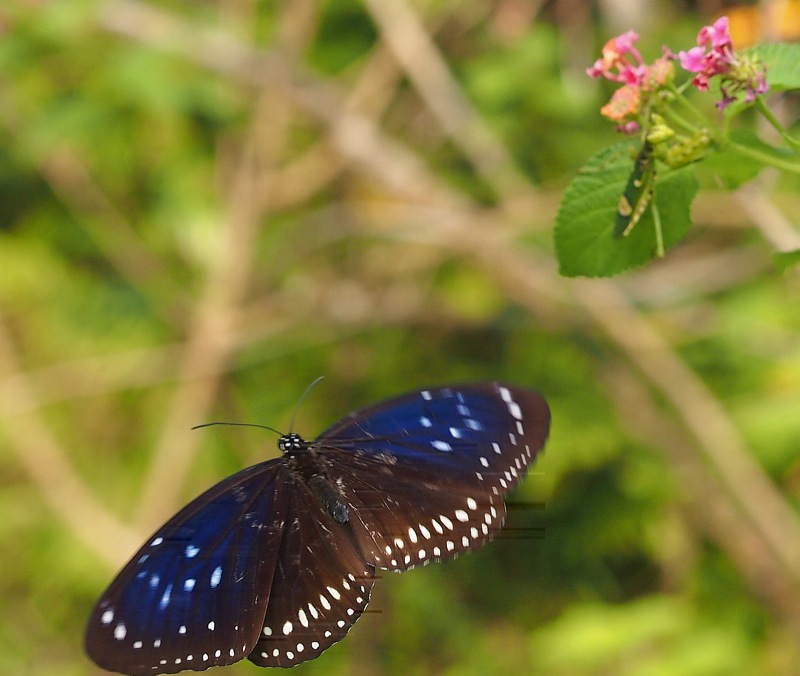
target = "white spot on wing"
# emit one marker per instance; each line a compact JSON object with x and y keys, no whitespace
{"x":120,"y":631}
{"x":441,"y":445}
{"x":216,"y":576}
{"x":164,"y":602}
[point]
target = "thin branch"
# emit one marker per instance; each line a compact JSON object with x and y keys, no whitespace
{"x":709,"y":506}
{"x":719,"y":440}
{"x":114,"y":236}
{"x":775,"y":227}
{"x":47,"y":464}
{"x":426,"y":67}
{"x":209,"y":347}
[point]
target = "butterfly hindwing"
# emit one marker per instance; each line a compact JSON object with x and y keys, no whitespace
{"x":415,"y":523}
{"x":320,"y":588}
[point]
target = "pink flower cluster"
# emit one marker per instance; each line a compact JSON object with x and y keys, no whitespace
{"x":736,"y":73}
{"x":621,"y":62}
{"x":628,"y":71}
{"x":717,"y":61}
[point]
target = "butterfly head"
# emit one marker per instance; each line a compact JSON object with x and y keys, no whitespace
{"x":288,"y":443}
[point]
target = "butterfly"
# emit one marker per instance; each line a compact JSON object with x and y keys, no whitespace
{"x":277,"y":562}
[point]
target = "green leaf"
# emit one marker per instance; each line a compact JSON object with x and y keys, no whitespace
{"x":731,"y":169}
{"x":585,"y":222}
{"x":783,"y":64}
{"x":784,"y":260}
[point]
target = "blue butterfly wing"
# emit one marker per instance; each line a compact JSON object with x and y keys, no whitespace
{"x":426,"y":473}
{"x":195,"y":595}
{"x":252,"y":568}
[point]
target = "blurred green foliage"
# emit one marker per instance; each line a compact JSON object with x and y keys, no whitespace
{"x":188,"y":236}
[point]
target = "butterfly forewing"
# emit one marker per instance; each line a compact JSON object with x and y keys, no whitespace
{"x":426,"y":473}
{"x":195,"y":595}
{"x":320,"y":588}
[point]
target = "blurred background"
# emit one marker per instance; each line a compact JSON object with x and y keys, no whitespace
{"x":206,"y":205}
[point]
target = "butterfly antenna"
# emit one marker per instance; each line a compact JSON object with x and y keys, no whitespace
{"x":237,"y":424}
{"x":300,"y":402}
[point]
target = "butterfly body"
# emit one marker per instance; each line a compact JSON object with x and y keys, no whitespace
{"x":277,"y":562}
{"x":307,"y":466}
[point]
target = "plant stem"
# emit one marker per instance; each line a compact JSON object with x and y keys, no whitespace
{"x":764,"y":158}
{"x":659,"y":234}
{"x":765,"y":110}
{"x":689,"y":106}
{"x":687,"y":126}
